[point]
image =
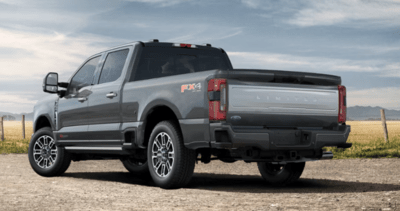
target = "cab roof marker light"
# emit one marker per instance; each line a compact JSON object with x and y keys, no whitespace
{"x":183,"y":45}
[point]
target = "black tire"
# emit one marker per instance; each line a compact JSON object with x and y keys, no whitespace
{"x":281,"y":175}
{"x":136,"y":167}
{"x":182,"y":160}
{"x":227,"y":160}
{"x":61,"y":158}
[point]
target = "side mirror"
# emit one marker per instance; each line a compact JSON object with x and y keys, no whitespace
{"x":50,"y":83}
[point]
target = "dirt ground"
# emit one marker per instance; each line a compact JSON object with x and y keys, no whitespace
{"x":354,"y":184}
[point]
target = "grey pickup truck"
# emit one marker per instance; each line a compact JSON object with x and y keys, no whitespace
{"x":161,"y":107}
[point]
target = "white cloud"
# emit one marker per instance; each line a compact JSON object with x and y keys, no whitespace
{"x":12,"y":2}
{"x":16,"y":102}
{"x":36,"y":54}
{"x":49,"y":51}
{"x":162,"y":3}
{"x":62,"y":16}
{"x":327,"y":12}
{"x":393,"y":70}
{"x":300,"y":63}
{"x":375,"y":49}
{"x":232,"y":34}
{"x":387,"y":97}
{"x":252,"y":3}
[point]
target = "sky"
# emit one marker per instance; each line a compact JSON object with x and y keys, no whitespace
{"x":357,"y":40}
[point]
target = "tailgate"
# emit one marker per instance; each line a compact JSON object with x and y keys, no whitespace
{"x":274,"y":104}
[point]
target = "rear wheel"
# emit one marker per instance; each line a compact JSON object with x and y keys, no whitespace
{"x":45,"y":157}
{"x":136,"y":166}
{"x":280,"y":175}
{"x":171,"y":164}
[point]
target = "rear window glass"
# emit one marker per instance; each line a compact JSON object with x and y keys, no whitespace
{"x":113,"y":66}
{"x":158,"y":62}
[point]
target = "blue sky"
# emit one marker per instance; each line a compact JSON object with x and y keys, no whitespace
{"x":357,"y":40}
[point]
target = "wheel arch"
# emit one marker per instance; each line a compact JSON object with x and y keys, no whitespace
{"x":152,"y":117}
{"x":41,"y":122}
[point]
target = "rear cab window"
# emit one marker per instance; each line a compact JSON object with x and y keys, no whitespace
{"x":157,"y":61}
{"x":113,"y":66}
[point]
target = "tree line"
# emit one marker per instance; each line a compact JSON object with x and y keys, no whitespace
{"x":8,"y":118}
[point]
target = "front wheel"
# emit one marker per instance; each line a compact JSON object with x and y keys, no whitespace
{"x":171,"y":164}
{"x":45,"y":157}
{"x":280,"y":175}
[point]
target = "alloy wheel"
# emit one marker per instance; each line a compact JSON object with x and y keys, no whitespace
{"x":45,"y":151}
{"x":162,"y":154}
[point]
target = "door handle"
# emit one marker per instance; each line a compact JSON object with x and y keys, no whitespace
{"x":82,"y":99}
{"x":111,"y":95}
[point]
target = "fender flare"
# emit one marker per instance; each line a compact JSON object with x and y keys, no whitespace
{"x":47,"y":116}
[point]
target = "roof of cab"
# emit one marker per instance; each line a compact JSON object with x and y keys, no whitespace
{"x":155,"y":42}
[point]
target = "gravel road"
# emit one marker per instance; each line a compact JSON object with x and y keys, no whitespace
{"x":353,"y":184}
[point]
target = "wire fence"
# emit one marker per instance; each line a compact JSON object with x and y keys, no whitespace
{"x":2,"y":119}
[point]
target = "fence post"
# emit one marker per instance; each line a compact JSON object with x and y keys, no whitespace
{"x":2,"y":128}
{"x":23,"y":126}
{"x":385,"y":131}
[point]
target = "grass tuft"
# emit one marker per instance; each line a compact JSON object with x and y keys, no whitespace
{"x":14,"y":146}
{"x":372,"y":149}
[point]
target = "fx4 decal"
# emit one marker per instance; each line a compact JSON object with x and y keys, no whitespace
{"x":193,"y":87}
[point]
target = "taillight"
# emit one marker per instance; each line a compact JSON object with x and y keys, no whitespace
{"x":217,"y":99}
{"x":342,"y":104}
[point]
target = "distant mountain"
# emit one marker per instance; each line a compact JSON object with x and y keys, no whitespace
{"x":18,"y":117}
{"x":368,"y":112}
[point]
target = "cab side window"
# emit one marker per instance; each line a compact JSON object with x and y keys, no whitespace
{"x":84,"y":76}
{"x":113,"y":66}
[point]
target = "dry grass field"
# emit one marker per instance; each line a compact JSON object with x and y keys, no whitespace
{"x":366,"y":136}
{"x":368,"y":140}
{"x":13,"y":137}
{"x":13,"y":130}
{"x":366,"y":131}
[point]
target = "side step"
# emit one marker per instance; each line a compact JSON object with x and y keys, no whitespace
{"x":327,"y":155}
{"x":111,"y":150}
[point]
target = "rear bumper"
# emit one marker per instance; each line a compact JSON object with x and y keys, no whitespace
{"x":224,"y":136}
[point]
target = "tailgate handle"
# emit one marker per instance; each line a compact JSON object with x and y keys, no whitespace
{"x":111,"y":95}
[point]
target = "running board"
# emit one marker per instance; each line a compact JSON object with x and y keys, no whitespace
{"x":111,"y":150}
{"x":94,"y":148}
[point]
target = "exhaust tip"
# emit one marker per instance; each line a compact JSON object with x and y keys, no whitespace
{"x":327,"y":155}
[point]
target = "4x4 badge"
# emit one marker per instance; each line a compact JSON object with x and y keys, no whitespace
{"x":193,"y":87}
